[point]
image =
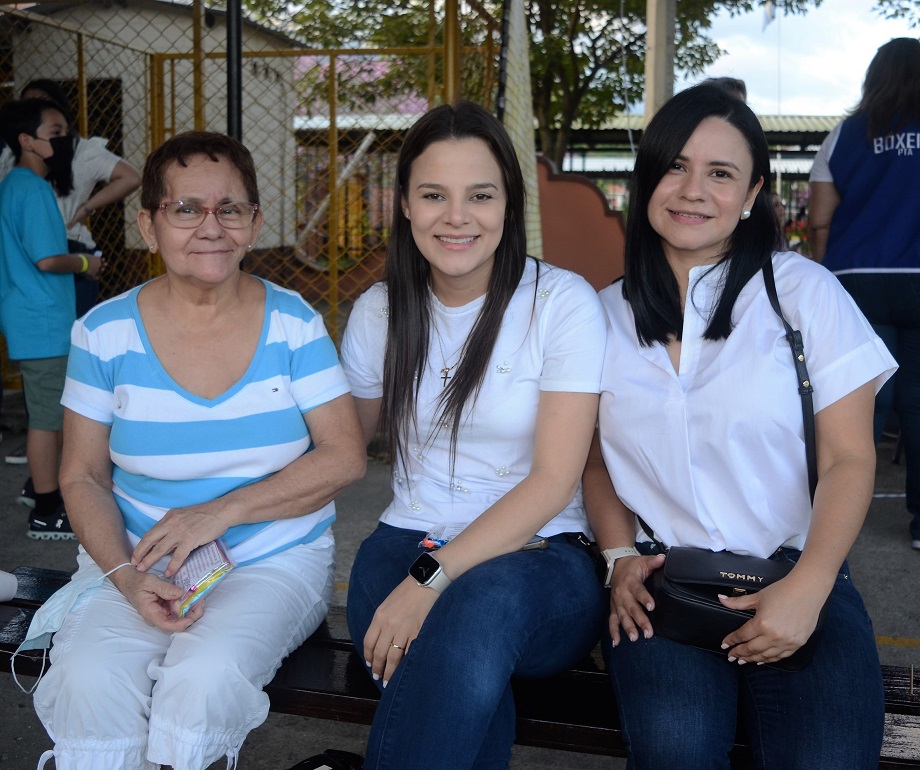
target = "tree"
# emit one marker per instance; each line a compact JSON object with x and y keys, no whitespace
{"x":587,"y":56}
{"x":900,"y":9}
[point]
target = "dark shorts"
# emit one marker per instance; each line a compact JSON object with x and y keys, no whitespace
{"x":42,"y":386}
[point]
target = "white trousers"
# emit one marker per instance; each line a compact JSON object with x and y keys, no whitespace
{"x":122,"y":695}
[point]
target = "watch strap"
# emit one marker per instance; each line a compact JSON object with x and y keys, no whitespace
{"x":611,"y":555}
{"x":439,"y":581}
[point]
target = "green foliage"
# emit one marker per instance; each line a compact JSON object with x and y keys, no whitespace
{"x":587,"y":57}
{"x":900,"y":9}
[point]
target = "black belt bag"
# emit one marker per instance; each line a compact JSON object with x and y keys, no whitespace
{"x":687,"y":607}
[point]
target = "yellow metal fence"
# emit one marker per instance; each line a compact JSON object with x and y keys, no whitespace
{"x":324,"y":125}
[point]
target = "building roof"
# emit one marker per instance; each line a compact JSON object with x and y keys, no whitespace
{"x":49,"y":8}
{"x":604,"y":165}
{"x":796,"y":133}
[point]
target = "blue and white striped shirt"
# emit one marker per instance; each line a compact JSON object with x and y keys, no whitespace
{"x":171,"y":448}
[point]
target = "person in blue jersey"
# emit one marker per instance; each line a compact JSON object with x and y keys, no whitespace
{"x":204,"y":404}
{"x":481,"y":365}
{"x":865,"y":194}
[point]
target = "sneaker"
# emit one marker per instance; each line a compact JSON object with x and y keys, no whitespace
{"x":27,"y":495}
{"x":54,"y":527}
{"x":17,"y":456}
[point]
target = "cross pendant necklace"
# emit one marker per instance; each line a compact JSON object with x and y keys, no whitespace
{"x":445,"y":369}
{"x":445,"y":374}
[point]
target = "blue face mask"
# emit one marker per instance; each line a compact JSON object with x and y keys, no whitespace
{"x":50,"y":616}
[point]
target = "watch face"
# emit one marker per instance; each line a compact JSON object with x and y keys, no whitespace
{"x":424,"y":568}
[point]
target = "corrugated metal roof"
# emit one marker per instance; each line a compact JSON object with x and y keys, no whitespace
{"x":623,"y":164}
{"x":799,"y":123}
{"x":376,"y":122}
{"x":777,"y":123}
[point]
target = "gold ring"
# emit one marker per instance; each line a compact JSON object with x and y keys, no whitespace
{"x":401,"y":649}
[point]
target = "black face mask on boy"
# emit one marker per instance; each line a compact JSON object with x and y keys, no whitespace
{"x":60,"y":168}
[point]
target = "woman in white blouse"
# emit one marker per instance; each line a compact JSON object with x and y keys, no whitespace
{"x":701,"y":435}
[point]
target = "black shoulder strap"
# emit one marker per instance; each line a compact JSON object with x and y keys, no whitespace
{"x":794,"y":338}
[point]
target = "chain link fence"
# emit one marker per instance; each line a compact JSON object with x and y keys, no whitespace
{"x":324,"y":124}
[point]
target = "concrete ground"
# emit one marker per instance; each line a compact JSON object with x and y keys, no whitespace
{"x":884,"y":567}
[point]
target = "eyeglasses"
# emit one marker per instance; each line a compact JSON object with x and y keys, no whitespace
{"x":234,"y":215}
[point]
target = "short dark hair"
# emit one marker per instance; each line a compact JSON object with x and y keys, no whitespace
{"x":53,"y":91}
{"x":649,"y":282}
{"x":180,"y":149}
{"x":891,"y":89}
{"x":23,"y":117}
{"x":409,"y":277}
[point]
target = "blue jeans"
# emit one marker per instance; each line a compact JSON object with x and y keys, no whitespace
{"x":679,"y":706}
{"x":891,"y":303}
{"x":449,"y":705}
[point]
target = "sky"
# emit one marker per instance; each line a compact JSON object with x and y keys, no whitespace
{"x":811,"y":64}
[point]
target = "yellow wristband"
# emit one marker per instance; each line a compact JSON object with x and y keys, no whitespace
{"x":85,"y":263}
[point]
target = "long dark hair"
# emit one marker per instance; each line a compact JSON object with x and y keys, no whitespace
{"x":891,"y":90}
{"x":408,"y":278}
{"x":649,"y":282}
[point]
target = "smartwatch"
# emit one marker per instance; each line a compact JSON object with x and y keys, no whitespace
{"x":611,"y":555}
{"x":427,"y":571}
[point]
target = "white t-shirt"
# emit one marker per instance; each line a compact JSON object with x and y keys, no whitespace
{"x":715,"y":457}
{"x":551,"y":339}
{"x":820,"y":167}
{"x":92,"y":164}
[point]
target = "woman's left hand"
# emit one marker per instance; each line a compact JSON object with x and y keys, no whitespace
{"x":785,"y":617}
{"x":179,"y":532}
{"x":395,"y":625}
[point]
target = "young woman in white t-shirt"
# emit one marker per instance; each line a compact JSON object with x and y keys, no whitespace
{"x":481,"y":367}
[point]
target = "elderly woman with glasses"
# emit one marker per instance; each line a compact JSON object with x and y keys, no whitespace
{"x":204,"y":404}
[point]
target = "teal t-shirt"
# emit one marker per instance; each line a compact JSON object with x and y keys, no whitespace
{"x":37,"y":309}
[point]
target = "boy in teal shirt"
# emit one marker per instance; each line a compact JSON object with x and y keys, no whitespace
{"x":37,"y":305}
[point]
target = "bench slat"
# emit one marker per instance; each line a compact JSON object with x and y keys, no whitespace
{"x":900,"y":697}
{"x":35,"y":585}
{"x":901,"y":746}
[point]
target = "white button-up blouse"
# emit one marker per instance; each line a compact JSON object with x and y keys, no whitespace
{"x":714,"y":457}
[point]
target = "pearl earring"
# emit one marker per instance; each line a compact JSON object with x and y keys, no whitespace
{"x":745,"y":214}
{"x":153,"y":248}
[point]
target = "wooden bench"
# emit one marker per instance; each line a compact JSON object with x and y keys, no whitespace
{"x":573,"y":711}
